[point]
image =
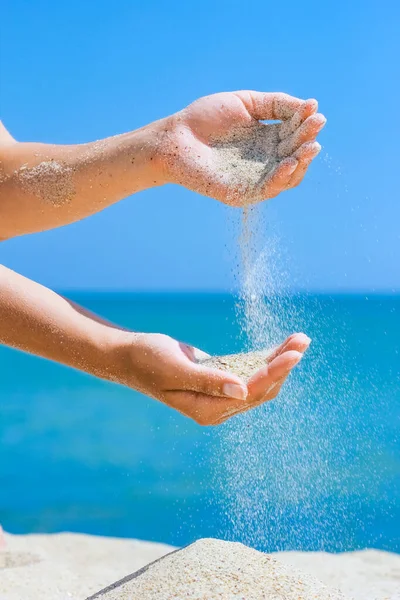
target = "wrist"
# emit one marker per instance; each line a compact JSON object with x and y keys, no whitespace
{"x":116,"y":356}
{"x":167,"y":147}
{"x":156,"y":138}
{"x":145,"y":152}
{"x":148,"y":153}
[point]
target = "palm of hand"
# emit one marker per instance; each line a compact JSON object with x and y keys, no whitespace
{"x":218,"y":147}
{"x":169,"y":371}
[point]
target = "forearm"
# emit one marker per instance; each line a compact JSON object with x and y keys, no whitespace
{"x":44,"y":186}
{"x":39,"y":321}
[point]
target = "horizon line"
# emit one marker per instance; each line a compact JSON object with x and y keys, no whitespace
{"x":212,"y":292}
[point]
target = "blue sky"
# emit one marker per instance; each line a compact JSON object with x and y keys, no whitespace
{"x":78,"y":71}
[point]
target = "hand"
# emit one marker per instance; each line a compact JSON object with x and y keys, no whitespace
{"x":167,"y":370}
{"x":193,"y":139}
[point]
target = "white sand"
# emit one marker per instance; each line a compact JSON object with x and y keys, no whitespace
{"x":68,"y":566}
{"x":212,"y":569}
{"x":246,"y":158}
{"x":72,"y":567}
{"x":243,"y":364}
{"x":237,"y":166}
{"x":366,"y":575}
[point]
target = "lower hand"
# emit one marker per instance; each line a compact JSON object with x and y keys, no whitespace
{"x":167,"y":370}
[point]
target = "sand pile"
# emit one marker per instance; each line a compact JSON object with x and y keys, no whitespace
{"x":215,"y":570}
{"x":243,"y":365}
{"x":71,"y":566}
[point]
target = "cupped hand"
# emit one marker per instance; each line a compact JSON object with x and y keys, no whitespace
{"x":169,"y":371}
{"x":194,"y":136}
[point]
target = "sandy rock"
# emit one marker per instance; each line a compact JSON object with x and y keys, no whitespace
{"x":215,"y":570}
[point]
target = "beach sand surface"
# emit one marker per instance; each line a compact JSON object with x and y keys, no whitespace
{"x":69,"y":566}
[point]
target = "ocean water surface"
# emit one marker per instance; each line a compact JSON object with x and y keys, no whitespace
{"x":319,"y":468}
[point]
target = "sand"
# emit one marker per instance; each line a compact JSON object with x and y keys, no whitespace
{"x":73,"y":567}
{"x":68,"y":566}
{"x":50,"y":181}
{"x":365,"y":575}
{"x":243,"y":364}
{"x":215,"y":570}
{"x":246,"y":158}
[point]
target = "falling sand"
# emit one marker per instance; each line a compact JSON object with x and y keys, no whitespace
{"x":245,"y":160}
{"x":260,"y":329}
{"x":283,"y":471}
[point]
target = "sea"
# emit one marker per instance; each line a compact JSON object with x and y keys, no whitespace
{"x":316,"y":469}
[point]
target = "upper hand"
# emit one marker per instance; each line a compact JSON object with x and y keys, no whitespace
{"x":167,"y":370}
{"x":190,"y":156}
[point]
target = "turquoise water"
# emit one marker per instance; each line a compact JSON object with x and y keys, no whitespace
{"x":317,"y":469}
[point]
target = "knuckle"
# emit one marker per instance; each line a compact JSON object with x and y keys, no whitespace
{"x":281,"y":97}
{"x":159,"y":338}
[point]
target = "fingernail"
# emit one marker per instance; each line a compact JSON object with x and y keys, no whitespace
{"x":291,"y":165}
{"x":304,"y":338}
{"x":234,"y":390}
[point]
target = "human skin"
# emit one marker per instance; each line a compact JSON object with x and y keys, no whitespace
{"x":80,"y":180}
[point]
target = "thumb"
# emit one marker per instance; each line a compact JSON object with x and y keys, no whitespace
{"x":213,"y":382}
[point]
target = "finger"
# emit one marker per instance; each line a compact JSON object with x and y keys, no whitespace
{"x":297,"y":341}
{"x":307,"y":132}
{"x":199,"y":355}
{"x":279,"y":179}
{"x":267,"y":383}
{"x":305,"y":154}
{"x":265,"y":379}
{"x":272,"y":393}
{"x":288,"y":127}
{"x":205,"y":410}
{"x":191,"y":375}
{"x":268,"y":392}
{"x":290,"y":343}
{"x":270,"y":105}
{"x":212,"y":382}
{"x":264,"y":385}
